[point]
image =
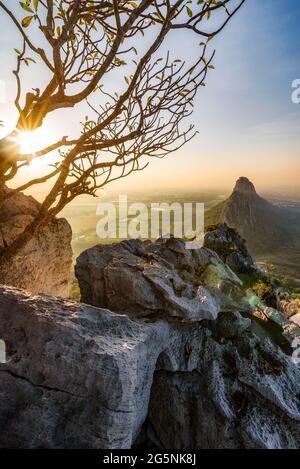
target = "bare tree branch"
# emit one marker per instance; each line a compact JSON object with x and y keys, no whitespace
{"x":92,"y":43}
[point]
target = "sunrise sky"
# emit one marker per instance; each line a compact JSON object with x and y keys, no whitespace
{"x":247,"y":122}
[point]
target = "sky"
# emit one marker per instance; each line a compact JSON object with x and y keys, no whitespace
{"x":247,"y":122}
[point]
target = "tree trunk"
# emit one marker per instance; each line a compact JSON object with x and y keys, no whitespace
{"x":45,"y":214}
{"x":43,"y":217}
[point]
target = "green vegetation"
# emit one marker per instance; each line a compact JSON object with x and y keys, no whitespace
{"x":249,"y":280}
{"x":262,"y":285}
{"x":212,"y":227}
{"x":75,"y":291}
{"x":264,"y":291}
{"x":216,"y":214}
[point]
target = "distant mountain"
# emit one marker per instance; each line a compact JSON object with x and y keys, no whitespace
{"x":263,"y":225}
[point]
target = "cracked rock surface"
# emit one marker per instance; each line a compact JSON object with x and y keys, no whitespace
{"x":78,"y":376}
{"x":160,"y":279}
{"x":225,"y":390}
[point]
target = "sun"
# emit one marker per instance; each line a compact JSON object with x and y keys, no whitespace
{"x":32,"y":142}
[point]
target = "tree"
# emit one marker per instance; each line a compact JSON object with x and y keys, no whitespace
{"x":85,"y":42}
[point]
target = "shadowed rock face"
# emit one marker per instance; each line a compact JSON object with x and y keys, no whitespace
{"x":229,"y":390}
{"x":244,"y":186}
{"x":44,"y":265}
{"x":83,"y":377}
{"x":230,"y":247}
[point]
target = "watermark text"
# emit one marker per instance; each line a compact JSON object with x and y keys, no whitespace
{"x":296,"y":92}
{"x":141,"y":221}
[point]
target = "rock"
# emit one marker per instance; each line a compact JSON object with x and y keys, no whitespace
{"x":44,"y":265}
{"x":288,"y":329}
{"x":230,"y":247}
{"x":82,"y":377}
{"x":161,"y":279}
{"x":296,"y":319}
{"x":232,"y":393}
{"x":76,"y":376}
{"x":232,"y":326}
{"x":244,"y":186}
{"x":287,"y":305}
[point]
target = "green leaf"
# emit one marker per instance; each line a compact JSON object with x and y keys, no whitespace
{"x":36,"y":4}
{"x":26,"y":7}
{"x":30,"y":59}
{"x":189,"y":12}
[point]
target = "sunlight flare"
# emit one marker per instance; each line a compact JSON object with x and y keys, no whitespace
{"x":31,"y":142}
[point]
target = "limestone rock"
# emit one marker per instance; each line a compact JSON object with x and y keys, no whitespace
{"x":44,"y":265}
{"x":231,"y":248}
{"x":296,"y":319}
{"x":289,"y":329}
{"x":82,"y":377}
{"x":287,"y":305}
{"x":162,"y":279}
{"x":76,"y":376}
{"x":220,"y":392}
{"x":244,"y":186}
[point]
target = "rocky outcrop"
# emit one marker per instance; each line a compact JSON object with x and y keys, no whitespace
{"x":76,"y":376}
{"x":230,"y":247}
{"x":289,"y":306}
{"x":227,"y":389}
{"x":161,"y":279}
{"x":244,"y":186}
{"x":44,"y":265}
{"x":82,"y":377}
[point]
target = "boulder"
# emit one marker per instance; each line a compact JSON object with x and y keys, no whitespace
{"x":77,"y":376}
{"x":44,"y":264}
{"x":160,"y":279}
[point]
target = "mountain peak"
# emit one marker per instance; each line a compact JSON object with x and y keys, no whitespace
{"x":265,"y":226}
{"x":244,"y":186}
